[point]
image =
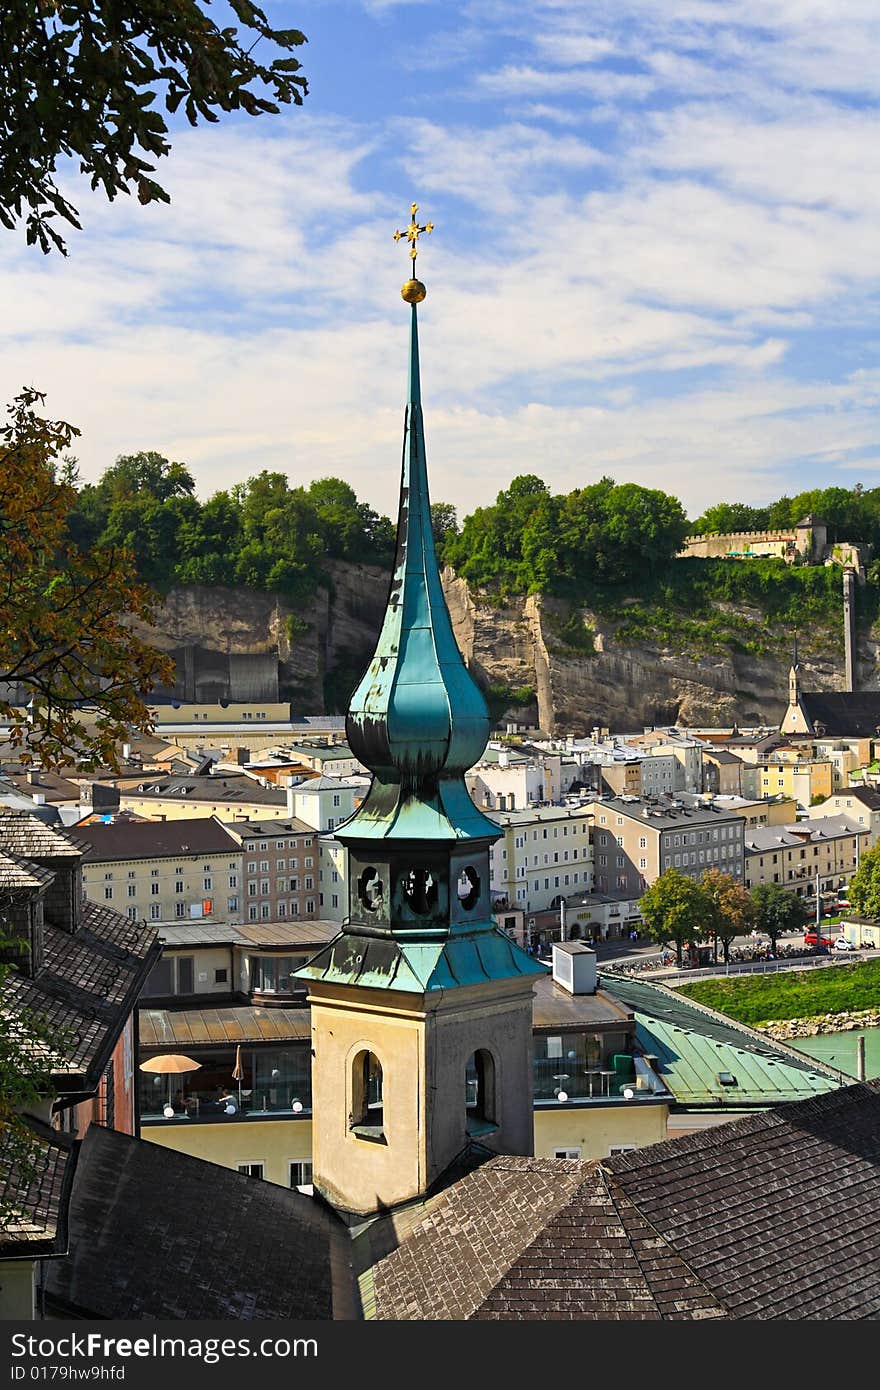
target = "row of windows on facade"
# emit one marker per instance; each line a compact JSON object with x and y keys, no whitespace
{"x":179,"y":887}
{"x":262,"y":866}
{"x":802,"y":854}
{"x":262,"y":912}
{"x":547,"y":859}
{"x":578,"y":827}
{"x":268,"y":975}
{"x":559,"y":881}
{"x":157,"y":873}
{"x":299,"y":1171}
{"x":257,"y":889}
{"x":703,"y":856}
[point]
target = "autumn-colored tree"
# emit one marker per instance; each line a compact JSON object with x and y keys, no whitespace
{"x":65,"y":638}
{"x":676,"y":909}
{"x":734,"y":911}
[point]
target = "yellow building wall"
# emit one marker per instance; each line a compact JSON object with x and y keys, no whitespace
{"x":593,"y":1129}
{"x":277,"y":1143}
{"x":157,"y":808}
{"x":790,"y":777}
{"x":274,"y":1143}
{"x":192,"y":874}
{"x":222,"y":714}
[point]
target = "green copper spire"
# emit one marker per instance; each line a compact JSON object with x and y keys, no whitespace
{"x":417,"y":720}
{"x":417,"y":849}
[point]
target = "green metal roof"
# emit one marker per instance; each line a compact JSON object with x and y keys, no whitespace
{"x":420,"y":966}
{"x":695,"y":1047}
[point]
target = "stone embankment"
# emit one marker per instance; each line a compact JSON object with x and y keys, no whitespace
{"x":843,"y":1022}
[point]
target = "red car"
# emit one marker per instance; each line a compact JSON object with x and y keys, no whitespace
{"x":810,"y":939}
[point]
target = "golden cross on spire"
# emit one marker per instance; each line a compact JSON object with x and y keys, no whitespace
{"x":412,"y":234}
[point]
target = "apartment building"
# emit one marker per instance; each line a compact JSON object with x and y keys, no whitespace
{"x":164,"y":871}
{"x":544,"y":855}
{"x":860,"y":805}
{"x":790,"y":771}
{"x":228,"y":798}
{"x":805,"y":856}
{"x":687,"y":753}
{"x":634,"y":841}
{"x":324,"y":803}
{"x":512,"y":779}
{"x":281,"y":861}
{"x":722,"y":772}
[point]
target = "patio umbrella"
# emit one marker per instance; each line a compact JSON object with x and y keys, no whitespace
{"x":172,"y":1063}
{"x":238,"y":1072}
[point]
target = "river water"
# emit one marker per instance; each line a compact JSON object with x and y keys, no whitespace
{"x":839,"y":1050}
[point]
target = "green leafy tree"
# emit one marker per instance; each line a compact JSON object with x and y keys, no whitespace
{"x":777,"y":910}
{"x":676,"y":909}
{"x":725,"y":517}
{"x":210,"y":542}
{"x":734,"y":911}
{"x":444,"y":525}
{"x":645,"y":526}
{"x":351,"y":529}
{"x":85,"y":79}
{"x":864,"y":888}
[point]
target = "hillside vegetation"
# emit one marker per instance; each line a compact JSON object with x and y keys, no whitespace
{"x":610,"y":548}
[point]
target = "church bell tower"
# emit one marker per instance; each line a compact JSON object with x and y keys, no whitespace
{"x":421,"y":1007}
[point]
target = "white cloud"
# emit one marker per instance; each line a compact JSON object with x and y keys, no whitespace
{"x":643,"y":308}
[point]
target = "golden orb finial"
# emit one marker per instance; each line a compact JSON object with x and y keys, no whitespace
{"x":413,"y":290}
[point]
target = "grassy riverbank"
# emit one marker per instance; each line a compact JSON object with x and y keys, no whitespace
{"x":756,"y":999}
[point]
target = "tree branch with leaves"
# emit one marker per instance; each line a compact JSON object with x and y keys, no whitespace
{"x":84,"y":79}
{"x":65,"y":614}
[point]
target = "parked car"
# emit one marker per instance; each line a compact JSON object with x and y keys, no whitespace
{"x":841,"y":944}
{"x":810,"y":939}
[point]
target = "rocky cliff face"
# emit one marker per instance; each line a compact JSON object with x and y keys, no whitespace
{"x":326,"y":647}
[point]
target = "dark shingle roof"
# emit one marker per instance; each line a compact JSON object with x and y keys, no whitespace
{"x":86,"y":988}
{"x":218,"y":790}
{"x":598,"y":1258}
{"x":778,"y":1213}
{"x":149,"y":839}
{"x":850,"y":714}
{"x":158,"y":1234}
{"x":20,"y":873}
{"x":775,"y":1216}
{"x":35,"y":1223}
{"x":25,"y":836}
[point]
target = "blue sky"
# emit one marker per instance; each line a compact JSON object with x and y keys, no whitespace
{"x":655,"y":256}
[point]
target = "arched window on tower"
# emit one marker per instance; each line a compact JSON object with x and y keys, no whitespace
{"x":366,"y":1118}
{"x":481,"y":1110}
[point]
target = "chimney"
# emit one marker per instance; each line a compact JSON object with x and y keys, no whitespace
{"x":126,"y":752}
{"x":33,"y":777}
{"x":242,"y":756}
{"x":39,"y":798}
{"x":574,"y":967}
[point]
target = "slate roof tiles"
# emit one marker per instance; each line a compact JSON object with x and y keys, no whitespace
{"x":774,"y":1216}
